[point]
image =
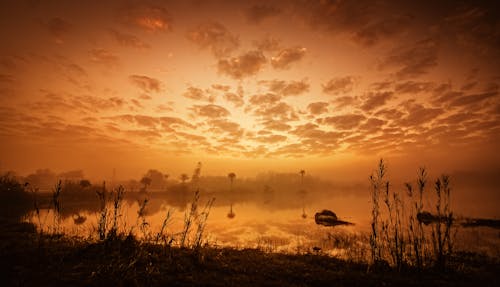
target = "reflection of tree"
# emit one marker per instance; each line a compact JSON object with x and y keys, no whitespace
{"x":302,"y":173}
{"x":231,"y":177}
{"x":231,"y":214}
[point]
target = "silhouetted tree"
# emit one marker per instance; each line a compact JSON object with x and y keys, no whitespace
{"x":302,"y":173}
{"x":146,"y":181}
{"x":84,"y":183}
{"x":231,"y":177}
{"x":184,"y":177}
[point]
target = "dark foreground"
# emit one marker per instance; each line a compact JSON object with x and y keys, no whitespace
{"x":26,"y":260}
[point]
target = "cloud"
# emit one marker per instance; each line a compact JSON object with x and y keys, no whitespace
{"x":104,"y":57}
{"x":268,"y":44}
{"x":276,"y":125}
{"x":343,"y":122}
{"x":210,"y":111}
{"x":152,"y":18}
{"x":318,"y":108}
{"x":375,"y":100}
{"x":215,"y":37}
{"x":365,"y":22}
{"x":291,"y":88}
{"x":220,"y":126}
{"x":280,"y":110}
{"x":234,"y":98}
{"x":146,"y":84}
{"x":270,"y":138}
{"x":413,"y":87}
{"x":313,"y":135}
{"x":346,"y":101}
{"x":223,"y":88}
{"x":417,"y":114}
{"x":473,"y":99}
{"x":258,"y":13}
{"x":194,"y":93}
{"x":58,"y":28}
{"x":245,"y":65}
{"x":413,"y":60}
{"x":286,"y":57}
{"x":128,"y":40}
{"x":265,"y":99}
{"x":340,"y":85}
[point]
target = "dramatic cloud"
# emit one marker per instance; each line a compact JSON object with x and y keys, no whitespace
{"x":268,"y":44}
{"x":340,"y":85}
{"x":210,"y":111}
{"x":257,"y":13}
{"x":234,"y":98}
{"x":343,"y":122}
{"x":291,"y":88}
{"x":375,"y":100}
{"x":128,"y":40}
{"x":318,"y":108}
{"x":146,"y":84}
{"x":214,"y":36}
{"x":151,"y":18}
{"x":414,"y":60}
{"x":245,"y":65}
{"x":104,"y":57}
{"x":194,"y":93}
{"x":286,"y":57}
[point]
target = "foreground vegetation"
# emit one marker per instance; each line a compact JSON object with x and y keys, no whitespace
{"x":408,"y":245}
{"x":27,"y":260}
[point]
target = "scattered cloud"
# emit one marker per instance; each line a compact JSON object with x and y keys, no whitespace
{"x":268,"y":44}
{"x":340,"y":85}
{"x":276,"y":125}
{"x":215,"y":37}
{"x":245,"y":65}
{"x":210,"y":111}
{"x":291,"y":88}
{"x":286,"y":57}
{"x":375,"y":100}
{"x":149,"y":17}
{"x":265,"y":99}
{"x":234,"y":98}
{"x":413,"y":60}
{"x":146,"y":84}
{"x":104,"y":57}
{"x":128,"y":40}
{"x":194,"y":93}
{"x":343,"y":122}
{"x":318,"y":108}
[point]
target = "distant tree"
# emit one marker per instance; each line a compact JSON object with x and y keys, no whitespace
{"x":196,"y":173}
{"x":231,"y":177}
{"x":84,"y":183}
{"x":146,"y":181}
{"x":302,"y":173}
{"x":184,"y":177}
{"x":157,"y":178}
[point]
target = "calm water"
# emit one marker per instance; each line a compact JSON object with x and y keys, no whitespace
{"x":272,"y":222}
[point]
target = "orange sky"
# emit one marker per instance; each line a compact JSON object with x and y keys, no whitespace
{"x":246,"y":86}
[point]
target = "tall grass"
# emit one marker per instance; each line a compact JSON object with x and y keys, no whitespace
{"x":401,"y":238}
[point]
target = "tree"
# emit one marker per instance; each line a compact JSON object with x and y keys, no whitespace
{"x":146,"y":181}
{"x":184,"y":177}
{"x":84,"y":183}
{"x":231,"y":177}
{"x":302,"y":173}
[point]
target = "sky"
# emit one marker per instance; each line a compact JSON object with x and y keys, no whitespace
{"x":249,"y":86}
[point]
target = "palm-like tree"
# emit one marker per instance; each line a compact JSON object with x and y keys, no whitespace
{"x":231,"y":177}
{"x":302,"y":173}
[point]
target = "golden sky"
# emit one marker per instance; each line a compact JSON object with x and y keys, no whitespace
{"x":248,"y":85}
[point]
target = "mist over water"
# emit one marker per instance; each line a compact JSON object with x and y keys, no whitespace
{"x":274,"y":212}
